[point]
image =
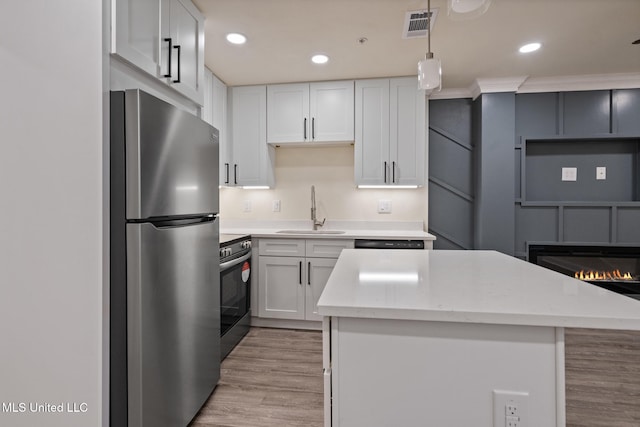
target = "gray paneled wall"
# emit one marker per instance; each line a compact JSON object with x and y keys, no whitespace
{"x":582,"y":130}
{"x":495,"y":172}
{"x":451,"y":179}
{"x":495,"y":169}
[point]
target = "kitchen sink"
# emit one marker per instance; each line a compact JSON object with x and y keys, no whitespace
{"x":310,"y":232}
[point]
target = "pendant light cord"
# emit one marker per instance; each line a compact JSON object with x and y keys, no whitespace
{"x":429,"y":54}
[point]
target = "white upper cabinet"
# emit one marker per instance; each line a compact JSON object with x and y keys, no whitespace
{"x":182,"y":53}
{"x":390,"y":136}
{"x":253,"y":158}
{"x":137,"y":32}
{"x":165,"y":39}
{"x":214,"y":112}
{"x":310,"y":112}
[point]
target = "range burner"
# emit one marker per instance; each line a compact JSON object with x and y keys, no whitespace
{"x":616,"y":268}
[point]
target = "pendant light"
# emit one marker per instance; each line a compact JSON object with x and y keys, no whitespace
{"x":429,"y":69}
{"x":466,"y":9}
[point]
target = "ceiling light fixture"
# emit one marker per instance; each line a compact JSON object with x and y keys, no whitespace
{"x":429,"y":69}
{"x":530,"y":47}
{"x":320,"y":58}
{"x":466,"y":9}
{"x":236,"y":38}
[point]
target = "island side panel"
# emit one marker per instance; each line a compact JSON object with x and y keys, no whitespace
{"x":416,"y":373}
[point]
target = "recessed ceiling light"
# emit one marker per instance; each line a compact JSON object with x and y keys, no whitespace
{"x":320,"y":58}
{"x":236,"y":38}
{"x":531,"y":47}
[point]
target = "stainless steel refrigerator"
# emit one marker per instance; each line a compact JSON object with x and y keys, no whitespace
{"x":165,"y":285}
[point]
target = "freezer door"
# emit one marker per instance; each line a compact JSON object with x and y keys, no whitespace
{"x":173,"y":325}
{"x":171,"y":160}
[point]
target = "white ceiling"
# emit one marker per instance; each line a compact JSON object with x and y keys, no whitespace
{"x":578,"y":37}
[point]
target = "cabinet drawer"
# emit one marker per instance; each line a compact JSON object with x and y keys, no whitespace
{"x":321,"y":248}
{"x":281,"y":247}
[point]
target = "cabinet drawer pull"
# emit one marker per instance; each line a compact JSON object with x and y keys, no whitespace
{"x":313,"y":128}
{"x":235,"y":173}
{"x":304,"y":128}
{"x":169,"y":59}
{"x":300,"y":273}
{"x":385,"y":172}
{"x":226,"y":166}
{"x":309,"y":273}
{"x":178,"y":79}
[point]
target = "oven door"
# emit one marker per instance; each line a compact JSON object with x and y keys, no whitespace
{"x":234,"y":290}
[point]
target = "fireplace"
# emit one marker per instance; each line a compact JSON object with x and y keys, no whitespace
{"x":616,"y":268}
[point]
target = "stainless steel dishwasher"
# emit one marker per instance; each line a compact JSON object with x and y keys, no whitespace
{"x":388,"y":244}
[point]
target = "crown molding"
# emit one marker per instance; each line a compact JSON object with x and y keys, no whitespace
{"x":454,"y":93}
{"x":524,"y":84}
{"x":582,"y":82}
{"x":494,"y":85}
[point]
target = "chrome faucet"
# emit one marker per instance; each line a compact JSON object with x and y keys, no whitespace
{"x":316,"y":223}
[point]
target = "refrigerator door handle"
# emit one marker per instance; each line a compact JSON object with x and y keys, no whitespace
{"x":161,"y":223}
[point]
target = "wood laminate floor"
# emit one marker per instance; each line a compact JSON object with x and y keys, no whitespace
{"x":274,"y":378}
{"x":602,"y":378}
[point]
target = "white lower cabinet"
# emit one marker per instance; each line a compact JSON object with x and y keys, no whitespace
{"x":292,"y":274}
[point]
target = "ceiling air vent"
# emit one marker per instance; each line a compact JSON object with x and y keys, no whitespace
{"x":415,"y":23}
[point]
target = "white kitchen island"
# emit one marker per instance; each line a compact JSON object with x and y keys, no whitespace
{"x":453,"y":338}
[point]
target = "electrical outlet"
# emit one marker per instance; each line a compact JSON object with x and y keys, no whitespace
{"x":276,"y":206}
{"x":510,"y":408}
{"x":513,"y":422}
{"x":601,"y":173}
{"x":384,"y":206}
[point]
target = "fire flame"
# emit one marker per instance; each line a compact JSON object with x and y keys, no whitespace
{"x":603,"y":275}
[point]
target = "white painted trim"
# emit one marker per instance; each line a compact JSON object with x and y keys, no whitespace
{"x":263,"y":322}
{"x":454,"y":93}
{"x":584,"y":82}
{"x":495,"y":85}
{"x":561,"y":412}
{"x":542,"y":84}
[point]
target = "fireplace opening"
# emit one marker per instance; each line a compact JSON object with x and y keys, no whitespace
{"x":616,"y":268}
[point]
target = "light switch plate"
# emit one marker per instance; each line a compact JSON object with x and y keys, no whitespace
{"x":384,"y":206}
{"x":601,"y":173}
{"x":276,"y":206}
{"x":246,"y":206}
{"x":569,"y":174}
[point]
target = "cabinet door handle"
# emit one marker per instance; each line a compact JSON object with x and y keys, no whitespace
{"x":393,"y":173}
{"x":313,"y":128}
{"x":304,"y":128}
{"x":235,"y":173}
{"x":385,"y":172}
{"x":226,"y":167}
{"x":169,"y":59}
{"x":309,"y":273}
{"x":300,"y":273}
{"x":178,"y":79}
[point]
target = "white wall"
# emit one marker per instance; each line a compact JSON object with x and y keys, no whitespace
{"x":330,"y":169}
{"x":51,"y":210}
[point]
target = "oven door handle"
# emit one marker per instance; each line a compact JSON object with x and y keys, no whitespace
{"x":227,"y":265}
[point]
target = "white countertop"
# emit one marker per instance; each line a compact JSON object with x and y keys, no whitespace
{"x":352,"y":229}
{"x":468,"y":286}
